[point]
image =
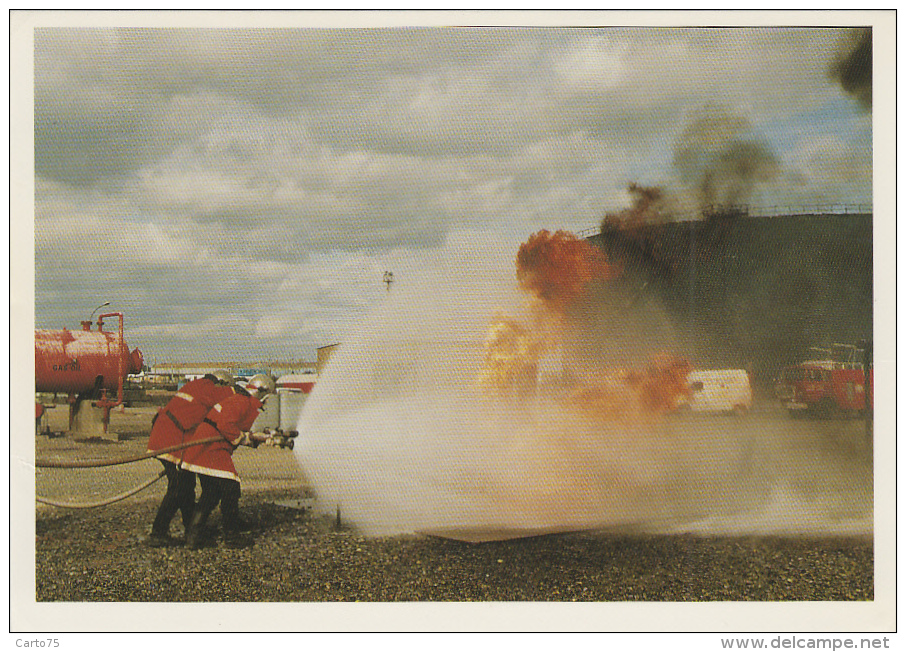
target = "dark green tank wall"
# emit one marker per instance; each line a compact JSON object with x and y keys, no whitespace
{"x":754,"y":292}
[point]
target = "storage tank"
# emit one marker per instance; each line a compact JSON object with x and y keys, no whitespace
{"x":269,"y":417}
{"x":291,"y":403}
{"x":77,"y":362}
{"x":85,"y":364}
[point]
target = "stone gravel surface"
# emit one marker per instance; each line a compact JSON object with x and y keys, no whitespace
{"x":298,"y":555}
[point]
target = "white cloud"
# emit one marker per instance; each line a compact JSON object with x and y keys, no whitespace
{"x":171,"y":165}
{"x":595,"y":64}
{"x":825,"y":159}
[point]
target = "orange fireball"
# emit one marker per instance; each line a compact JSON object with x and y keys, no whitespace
{"x":558,"y":268}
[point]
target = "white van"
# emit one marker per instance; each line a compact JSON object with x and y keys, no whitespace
{"x":719,"y":390}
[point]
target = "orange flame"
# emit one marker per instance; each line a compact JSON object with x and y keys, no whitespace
{"x":511,"y":358}
{"x":662,"y":383}
{"x":634,"y":394}
{"x":557,"y":270}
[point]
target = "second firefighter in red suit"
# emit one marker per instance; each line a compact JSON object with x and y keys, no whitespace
{"x":172,"y":425}
{"x":230,"y":419}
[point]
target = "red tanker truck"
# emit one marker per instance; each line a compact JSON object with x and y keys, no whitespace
{"x":85,"y":364}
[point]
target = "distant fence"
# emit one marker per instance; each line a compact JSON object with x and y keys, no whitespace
{"x":764,"y":211}
{"x":808,"y":209}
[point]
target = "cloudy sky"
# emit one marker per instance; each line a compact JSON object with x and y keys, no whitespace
{"x":238,"y":193}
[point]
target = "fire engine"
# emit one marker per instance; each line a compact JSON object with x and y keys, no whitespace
{"x":833,"y":386}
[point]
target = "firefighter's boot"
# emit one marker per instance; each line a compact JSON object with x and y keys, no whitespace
{"x":236,"y":539}
{"x":195,"y":532}
{"x":244,"y":525}
{"x":160,"y":540}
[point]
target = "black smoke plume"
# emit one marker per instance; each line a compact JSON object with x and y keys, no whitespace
{"x":719,"y":164}
{"x":852,"y":66}
{"x":648,"y":207}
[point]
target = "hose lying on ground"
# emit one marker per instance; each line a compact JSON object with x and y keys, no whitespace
{"x":281,"y":440}
{"x":82,"y":464}
{"x":101,"y":503}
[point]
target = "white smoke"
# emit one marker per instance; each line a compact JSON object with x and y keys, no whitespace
{"x":397,"y":435}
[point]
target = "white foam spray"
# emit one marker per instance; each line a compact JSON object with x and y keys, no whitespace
{"x":398,"y":436}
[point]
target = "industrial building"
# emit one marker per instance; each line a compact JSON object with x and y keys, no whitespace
{"x":275,"y":368}
{"x":750,"y":292}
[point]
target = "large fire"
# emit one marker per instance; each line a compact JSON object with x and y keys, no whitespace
{"x":634,"y":395}
{"x":511,"y":358}
{"x":557,"y":271}
{"x":558,"y":268}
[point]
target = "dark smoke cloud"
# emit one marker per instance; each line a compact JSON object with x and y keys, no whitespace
{"x":852,"y":66}
{"x":719,"y":164}
{"x":649,"y":206}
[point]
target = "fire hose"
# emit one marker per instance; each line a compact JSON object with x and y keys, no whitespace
{"x":279,"y":439}
{"x":106,"y":501}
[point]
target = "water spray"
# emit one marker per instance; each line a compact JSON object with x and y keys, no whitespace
{"x":402,"y":433}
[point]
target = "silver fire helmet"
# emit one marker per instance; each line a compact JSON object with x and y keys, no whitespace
{"x":223,"y":376}
{"x":261,"y":383}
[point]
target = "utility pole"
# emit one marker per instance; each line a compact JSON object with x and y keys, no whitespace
{"x":388,"y":279}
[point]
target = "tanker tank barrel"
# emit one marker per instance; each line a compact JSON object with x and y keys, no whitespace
{"x":85,"y":364}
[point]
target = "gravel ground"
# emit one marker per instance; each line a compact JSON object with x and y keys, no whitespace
{"x":300,"y":555}
{"x":295,"y":555}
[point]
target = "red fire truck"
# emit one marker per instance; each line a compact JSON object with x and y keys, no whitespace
{"x":830,"y":387}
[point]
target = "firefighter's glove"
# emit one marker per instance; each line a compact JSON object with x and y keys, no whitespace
{"x":247,"y":440}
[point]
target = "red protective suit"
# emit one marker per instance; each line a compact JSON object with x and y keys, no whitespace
{"x":179,"y":418}
{"x":229,"y":418}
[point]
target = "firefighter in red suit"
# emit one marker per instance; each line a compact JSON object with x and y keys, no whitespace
{"x":231,"y":419}
{"x":172,"y":425}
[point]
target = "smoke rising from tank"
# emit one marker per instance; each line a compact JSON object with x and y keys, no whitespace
{"x":402,"y":436}
{"x":719,"y":166}
{"x":718,"y":163}
{"x":852,"y":66}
